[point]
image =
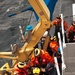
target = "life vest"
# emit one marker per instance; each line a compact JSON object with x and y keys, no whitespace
{"x":54,"y":46}
{"x":42,"y":60}
{"x":20,"y":71}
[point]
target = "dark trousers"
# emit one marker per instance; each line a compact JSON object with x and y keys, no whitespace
{"x":56,"y":34}
{"x":71,"y":36}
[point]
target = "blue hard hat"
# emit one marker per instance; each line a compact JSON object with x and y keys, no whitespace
{"x":29,"y":27}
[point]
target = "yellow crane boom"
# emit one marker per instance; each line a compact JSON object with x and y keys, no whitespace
{"x":43,"y":24}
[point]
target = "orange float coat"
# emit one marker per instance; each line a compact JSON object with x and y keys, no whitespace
{"x":71,"y":29}
{"x":57,"y":22}
{"x":54,"y":46}
{"x":20,"y":71}
{"x":44,"y":57}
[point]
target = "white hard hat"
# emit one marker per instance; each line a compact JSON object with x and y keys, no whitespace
{"x":45,"y":34}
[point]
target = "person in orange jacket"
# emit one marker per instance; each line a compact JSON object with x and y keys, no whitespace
{"x":21,"y":69}
{"x":54,"y":44}
{"x":71,"y":32}
{"x":56,"y":51}
{"x":44,"y":61}
{"x":57,"y":23}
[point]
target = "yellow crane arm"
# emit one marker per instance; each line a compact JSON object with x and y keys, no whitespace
{"x":37,"y":34}
{"x":40,"y":8}
{"x":6,"y":53}
{"x":5,"y":66}
{"x":43,"y":24}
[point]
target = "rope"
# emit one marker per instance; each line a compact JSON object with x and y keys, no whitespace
{"x":30,"y":17}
